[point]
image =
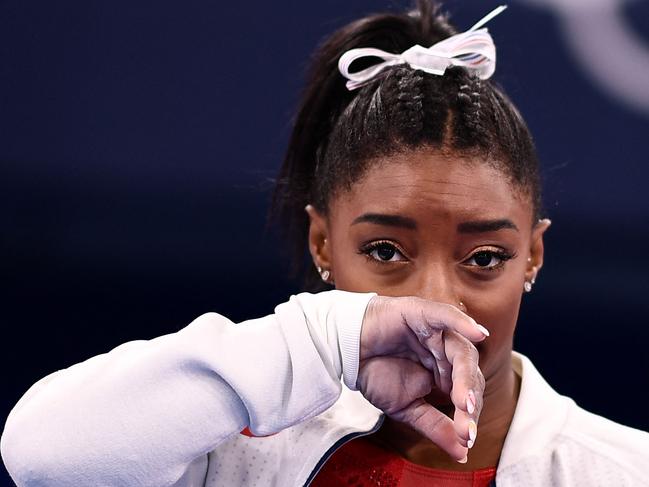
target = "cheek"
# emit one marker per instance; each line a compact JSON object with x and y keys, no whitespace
{"x":497,"y":309}
{"x":355,"y":271}
{"x":352,"y":274}
{"x":496,"y":304}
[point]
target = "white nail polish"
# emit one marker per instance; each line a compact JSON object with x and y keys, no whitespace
{"x":469,"y":444}
{"x":463,"y":460}
{"x":483,"y":330}
{"x":473,"y":430}
{"x":470,"y":402}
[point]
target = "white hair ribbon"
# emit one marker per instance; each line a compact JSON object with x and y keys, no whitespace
{"x":473,"y":50}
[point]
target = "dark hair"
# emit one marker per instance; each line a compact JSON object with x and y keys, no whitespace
{"x":339,"y":133}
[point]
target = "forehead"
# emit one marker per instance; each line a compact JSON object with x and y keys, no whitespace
{"x":432,"y":185}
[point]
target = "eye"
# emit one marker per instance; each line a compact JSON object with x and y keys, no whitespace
{"x":489,"y":259}
{"x":383,"y":252}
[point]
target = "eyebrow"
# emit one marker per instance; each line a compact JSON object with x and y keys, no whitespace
{"x":478,"y":226}
{"x":387,"y":220}
{"x":483,"y":226}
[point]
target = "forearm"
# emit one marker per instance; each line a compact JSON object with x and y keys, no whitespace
{"x":140,"y":414}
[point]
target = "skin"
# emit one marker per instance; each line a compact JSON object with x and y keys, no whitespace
{"x":432,"y":255}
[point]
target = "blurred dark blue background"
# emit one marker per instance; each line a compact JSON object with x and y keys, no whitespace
{"x":138,"y":141}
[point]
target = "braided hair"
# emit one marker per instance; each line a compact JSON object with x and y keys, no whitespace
{"x":338,"y":133}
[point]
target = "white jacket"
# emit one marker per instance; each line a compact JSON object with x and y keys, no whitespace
{"x":168,"y":411}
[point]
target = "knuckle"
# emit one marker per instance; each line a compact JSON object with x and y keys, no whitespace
{"x":467,"y":350}
{"x":452,"y":310}
{"x":472,"y":352}
{"x":435,"y":424}
{"x":448,"y":309}
{"x":405,"y":305}
{"x":416,"y":415}
{"x":480,"y":379}
{"x":409,"y":301}
{"x":379,"y":302}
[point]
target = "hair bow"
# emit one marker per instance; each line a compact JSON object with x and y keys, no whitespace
{"x":473,"y":50}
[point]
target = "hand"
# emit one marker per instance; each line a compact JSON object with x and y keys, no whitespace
{"x":410,"y":345}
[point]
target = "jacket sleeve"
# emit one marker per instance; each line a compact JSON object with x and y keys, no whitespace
{"x":148,"y":412}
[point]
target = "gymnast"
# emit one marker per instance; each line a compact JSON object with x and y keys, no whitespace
{"x":412,"y":181}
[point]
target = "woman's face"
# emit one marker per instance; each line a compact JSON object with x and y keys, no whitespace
{"x":446,"y":228}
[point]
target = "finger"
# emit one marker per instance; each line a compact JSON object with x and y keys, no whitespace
{"x":465,"y":421}
{"x":392,"y":383}
{"x":465,"y":427}
{"x":434,"y":425}
{"x":468,"y":385}
{"x":423,"y":353}
{"x":407,"y":354}
{"x":425,"y":317}
{"x":435,"y":345}
{"x":414,"y":350}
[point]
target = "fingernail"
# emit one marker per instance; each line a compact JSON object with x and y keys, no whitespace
{"x":463,"y":460}
{"x":482,"y":329}
{"x":470,"y":402}
{"x":469,"y":444}
{"x":473,"y":431}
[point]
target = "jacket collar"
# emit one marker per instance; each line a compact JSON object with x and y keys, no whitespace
{"x":539,"y":416}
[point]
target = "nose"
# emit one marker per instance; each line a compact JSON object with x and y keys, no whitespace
{"x":439,"y":283}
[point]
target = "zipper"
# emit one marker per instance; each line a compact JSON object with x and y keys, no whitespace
{"x":344,"y":440}
{"x":337,"y":445}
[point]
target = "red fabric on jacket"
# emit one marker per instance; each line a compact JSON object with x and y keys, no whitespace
{"x":360,"y":463}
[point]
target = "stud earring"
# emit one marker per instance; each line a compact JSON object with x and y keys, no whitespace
{"x":527,"y":286}
{"x":324,"y":273}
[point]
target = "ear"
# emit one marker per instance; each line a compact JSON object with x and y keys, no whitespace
{"x":319,"y":242}
{"x":535,"y":259}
